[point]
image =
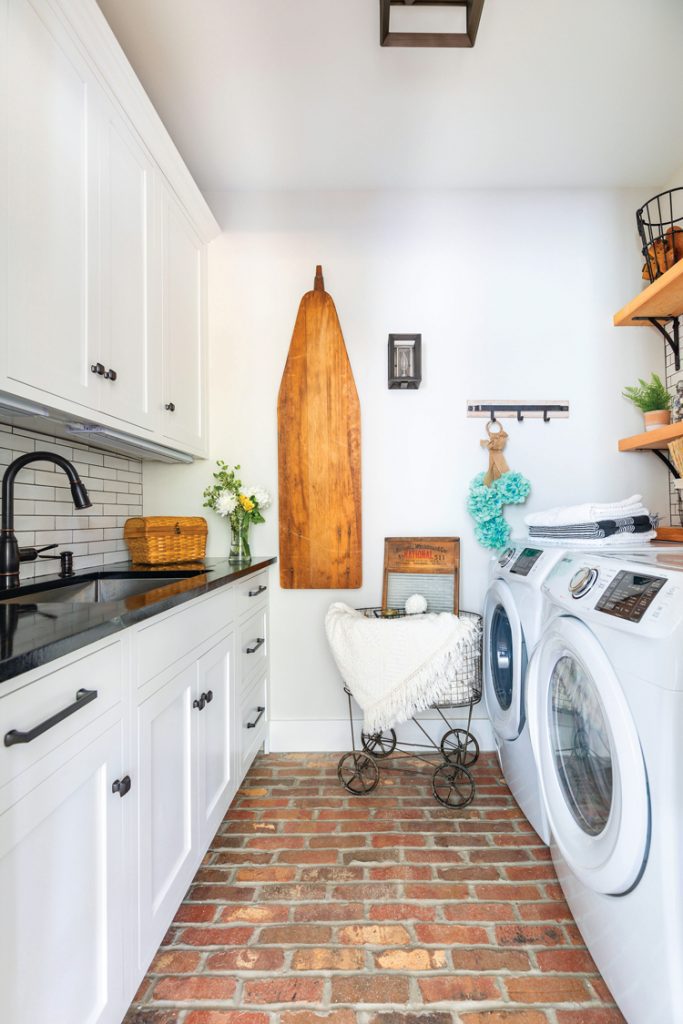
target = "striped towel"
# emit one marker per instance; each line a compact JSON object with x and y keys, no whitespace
{"x":597,"y":530}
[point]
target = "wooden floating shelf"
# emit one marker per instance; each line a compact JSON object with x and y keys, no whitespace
{"x":663,"y":299}
{"x":670,"y":534}
{"x":652,"y":440}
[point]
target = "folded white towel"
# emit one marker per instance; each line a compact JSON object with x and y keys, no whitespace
{"x":571,"y":515}
{"x":617,"y":540}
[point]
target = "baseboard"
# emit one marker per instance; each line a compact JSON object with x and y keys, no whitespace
{"x":298,"y":736}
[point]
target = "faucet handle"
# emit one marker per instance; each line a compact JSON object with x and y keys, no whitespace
{"x":31,"y":554}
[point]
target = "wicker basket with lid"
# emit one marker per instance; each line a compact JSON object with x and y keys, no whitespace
{"x":155,"y":540}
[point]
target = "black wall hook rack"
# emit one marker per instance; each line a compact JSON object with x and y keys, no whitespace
{"x":673,"y":339}
{"x":520,"y":410}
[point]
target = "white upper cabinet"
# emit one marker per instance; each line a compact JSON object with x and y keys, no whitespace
{"x":183,"y":327}
{"x":124,"y":352}
{"x":103,"y":234}
{"x":51,"y":193}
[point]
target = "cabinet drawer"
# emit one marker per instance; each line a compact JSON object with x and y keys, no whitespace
{"x":56,"y":707}
{"x":253,"y":724}
{"x":253,"y":646}
{"x":164,"y":643}
{"x":251,"y":594}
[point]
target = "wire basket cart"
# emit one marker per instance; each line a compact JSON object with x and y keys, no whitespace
{"x":456,"y":749}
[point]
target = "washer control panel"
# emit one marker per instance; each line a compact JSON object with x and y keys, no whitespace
{"x":506,"y":556}
{"x":583,"y":581}
{"x":526,"y":561}
{"x":630,"y":594}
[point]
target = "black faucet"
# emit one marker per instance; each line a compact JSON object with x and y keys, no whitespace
{"x":10,"y":552}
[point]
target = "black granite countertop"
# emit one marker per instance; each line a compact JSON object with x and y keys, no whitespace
{"x":32,"y":634}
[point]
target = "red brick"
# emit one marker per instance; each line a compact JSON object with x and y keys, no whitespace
{"x":255,"y":913}
{"x":328,"y":912}
{"x":472,"y":911}
{"x":436,"y":891}
{"x":195,"y":912}
{"x":229,"y":858}
{"x":271,"y":874}
{"x":338,"y":873}
{"x":529,"y":872}
{"x":221,"y":893}
{"x":393,"y":839}
{"x":309,"y":1017}
{"x":276,"y":843}
{"x":187,"y":989}
{"x":253,"y":958}
{"x":450,"y":934}
{"x":374,"y":935}
{"x":402,"y":912}
{"x":215,"y":936}
{"x":505,"y":1017}
{"x":604,"y":1015}
{"x":328,"y":958}
{"x":459,"y":988}
{"x":507,"y":891}
{"x":307,"y":857}
{"x":529,"y":935}
{"x":571,"y":961}
{"x":545,"y":912}
{"x":486,"y":959}
{"x":283,"y":990}
{"x":370,"y":988}
{"x":226,"y":1017}
{"x":547,"y":989}
{"x":433,"y":856}
{"x":296,"y":935}
{"x":175,"y":961}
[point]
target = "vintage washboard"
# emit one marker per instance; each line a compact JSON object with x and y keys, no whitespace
{"x":422,"y":565}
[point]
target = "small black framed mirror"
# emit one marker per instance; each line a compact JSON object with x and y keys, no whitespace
{"x":405,"y":361}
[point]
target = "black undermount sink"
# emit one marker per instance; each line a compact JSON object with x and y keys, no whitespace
{"x":97,"y":588}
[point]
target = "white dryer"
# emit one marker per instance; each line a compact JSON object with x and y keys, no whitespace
{"x":605,"y":702}
{"x":513,"y":612}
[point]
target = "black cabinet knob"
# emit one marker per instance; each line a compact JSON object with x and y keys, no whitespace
{"x":121,"y":786}
{"x":209,"y":696}
{"x":170,"y":407}
{"x":110,"y":375}
{"x":97,"y":368}
{"x":201,"y":703}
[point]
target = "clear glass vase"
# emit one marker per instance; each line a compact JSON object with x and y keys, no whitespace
{"x":240,"y":553}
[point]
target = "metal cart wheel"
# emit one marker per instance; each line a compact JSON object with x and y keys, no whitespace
{"x":459,"y":746}
{"x":452,"y":785}
{"x":379,"y":744}
{"x":358,"y":773}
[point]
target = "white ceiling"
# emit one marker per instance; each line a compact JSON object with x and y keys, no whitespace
{"x":298,"y":94}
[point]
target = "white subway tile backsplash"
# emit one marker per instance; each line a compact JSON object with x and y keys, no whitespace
{"x":43,"y":509}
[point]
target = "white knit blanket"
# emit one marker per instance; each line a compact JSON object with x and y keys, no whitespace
{"x":395,"y":667}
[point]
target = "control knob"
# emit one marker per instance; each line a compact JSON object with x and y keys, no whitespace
{"x":505,"y":557}
{"x":582,"y":582}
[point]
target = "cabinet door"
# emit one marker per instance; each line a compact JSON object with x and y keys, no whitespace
{"x":216,"y":769}
{"x":183,"y":326}
{"x":62,"y":872}
{"x":126,"y":342}
{"x":52,"y":202}
{"x":167,"y":842}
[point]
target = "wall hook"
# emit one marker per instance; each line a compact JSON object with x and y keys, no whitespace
{"x":520,"y":418}
{"x":546,"y":417}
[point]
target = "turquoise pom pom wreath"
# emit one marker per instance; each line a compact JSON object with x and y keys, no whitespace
{"x":485,"y":505}
{"x":512,"y":488}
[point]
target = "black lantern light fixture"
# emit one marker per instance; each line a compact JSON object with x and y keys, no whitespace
{"x":466,"y":39}
{"x":405,"y":361}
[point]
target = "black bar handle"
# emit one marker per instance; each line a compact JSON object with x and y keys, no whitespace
{"x":255,"y":593}
{"x":14,"y":736}
{"x":121,"y":786}
{"x":252,"y":725}
{"x":260,"y":640}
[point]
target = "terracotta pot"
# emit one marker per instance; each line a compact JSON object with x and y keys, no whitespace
{"x":657,"y":418}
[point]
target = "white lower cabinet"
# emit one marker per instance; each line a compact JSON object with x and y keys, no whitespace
{"x":106,"y":814}
{"x":62,"y":872}
{"x":167,"y":832}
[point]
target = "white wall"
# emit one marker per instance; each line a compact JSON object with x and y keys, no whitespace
{"x":513,"y":292}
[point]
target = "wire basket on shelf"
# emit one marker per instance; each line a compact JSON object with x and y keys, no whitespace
{"x":660,"y":226}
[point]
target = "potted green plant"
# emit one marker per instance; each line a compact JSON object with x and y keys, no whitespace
{"x":653,"y":400}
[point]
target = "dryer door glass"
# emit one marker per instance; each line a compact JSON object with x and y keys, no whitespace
{"x":580,"y":743}
{"x":501,"y":657}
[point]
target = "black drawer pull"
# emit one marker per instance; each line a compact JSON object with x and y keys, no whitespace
{"x":252,"y":725}
{"x":255,"y":593}
{"x":170,"y":407}
{"x":83,"y":697}
{"x":121,"y":786}
{"x":259,"y":643}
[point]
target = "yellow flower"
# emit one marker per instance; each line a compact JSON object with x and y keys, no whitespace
{"x":246,"y":503}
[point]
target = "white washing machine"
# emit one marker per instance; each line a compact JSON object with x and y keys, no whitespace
{"x":605,"y":703}
{"x":513,"y":612}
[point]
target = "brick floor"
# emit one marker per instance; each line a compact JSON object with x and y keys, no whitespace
{"x":316,"y":906}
